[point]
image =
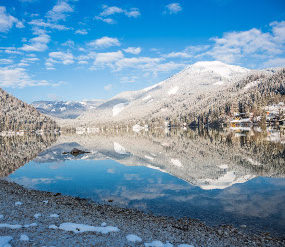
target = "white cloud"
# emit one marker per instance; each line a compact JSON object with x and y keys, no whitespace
{"x":188,"y":52}
{"x":133,"y":50}
{"x":18,"y":77}
{"x":27,"y":61}
{"x":244,"y":47}
{"x":278,"y":30}
{"x":133,"y":12}
{"x":41,"y":23}
{"x":117,"y":62}
{"x":173,"y":8}
{"x":6,"y":61}
{"x":144,"y":63}
{"x":108,"y":87}
{"x":107,"y":58}
{"x":197,"y":49}
{"x":38,"y":43}
{"x":59,"y":57}
{"x":104,"y":42}
{"x":12,"y":50}
{"x":8,"y":21}
{"x":128,"y":79}
{"x":178,"y":55}
{"x":59,"y":11}
{"x":112,"y":10}
{"x":234,"y":46}
{"x":82,"y":62}
{"x":68,"y":43}
{"x":81,"y":31}
{"x":275,"y":62}
{"x":107,"y":20}
{"x":164,"y":67}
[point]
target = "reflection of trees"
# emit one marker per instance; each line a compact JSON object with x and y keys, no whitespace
{"x":208,"y":158}
{"x":16,"y":151}
{"x":204,"y":157}
{"x":250,"y":150}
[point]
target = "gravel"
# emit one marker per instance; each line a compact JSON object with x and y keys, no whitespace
{"x":160,"y":231}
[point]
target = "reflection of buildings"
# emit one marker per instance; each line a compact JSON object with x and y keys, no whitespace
{"x":275,"y":135}
{"x":241,"y":121}
{"x":241,"y":124}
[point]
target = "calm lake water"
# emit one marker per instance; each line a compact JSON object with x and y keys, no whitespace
{"x":217,"y":177}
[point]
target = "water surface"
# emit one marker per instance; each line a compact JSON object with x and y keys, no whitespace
{"x":220,"y":178}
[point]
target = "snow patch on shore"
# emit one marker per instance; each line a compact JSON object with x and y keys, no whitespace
{"x":30,"y":225}
{"x":133,"y":238}
{"x":24,"y":237}
{"x":4,"y":241}
{"x":53,"y":227}
{"x":5,"y":225}
{"x":78,"y":228}
{"x":10,"y":226}
{"x":185,"y":245}
{"x":37,"y":215}
{"x":158,"y":244}
{"x":54,"y":216}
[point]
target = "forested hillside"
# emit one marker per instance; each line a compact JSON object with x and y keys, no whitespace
{"x":250,"y":95}
{"x":15,"y":115}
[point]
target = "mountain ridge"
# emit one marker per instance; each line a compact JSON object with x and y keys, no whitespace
{"x":197,"y":78}
{"x":197,"y":94}
{"x":65,"y":109}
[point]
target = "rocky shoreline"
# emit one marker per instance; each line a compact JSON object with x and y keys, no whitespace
{"x":35,"y":218}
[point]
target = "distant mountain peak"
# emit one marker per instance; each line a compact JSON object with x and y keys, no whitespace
{"x":217,"y":67}
{"x":66,"y":109}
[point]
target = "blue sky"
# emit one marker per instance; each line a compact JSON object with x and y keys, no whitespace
{"x":87,"y":49}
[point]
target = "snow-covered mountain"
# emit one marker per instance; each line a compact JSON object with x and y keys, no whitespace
{"x":65,"y":109}
{"x":197,"y":79}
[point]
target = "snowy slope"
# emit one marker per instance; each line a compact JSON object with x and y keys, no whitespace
{"x":199,"y":78}
{"x":65,"y":109}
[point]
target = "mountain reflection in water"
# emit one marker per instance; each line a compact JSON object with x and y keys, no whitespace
{"x":217,"y":176}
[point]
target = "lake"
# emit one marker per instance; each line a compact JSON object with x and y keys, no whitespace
{"x":220,"y":177}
